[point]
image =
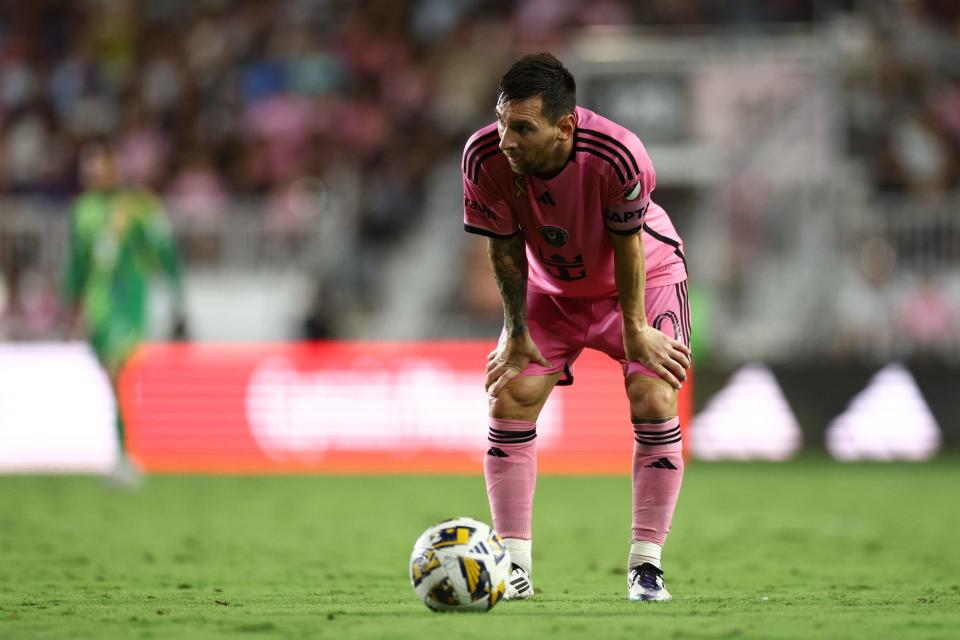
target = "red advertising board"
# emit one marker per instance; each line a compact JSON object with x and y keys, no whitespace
{"x":355,"y":407}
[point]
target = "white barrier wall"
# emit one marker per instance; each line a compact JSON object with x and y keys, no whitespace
{"x":272,"y":305}
{"x":57,"y":413}
{"x":209,"y":408}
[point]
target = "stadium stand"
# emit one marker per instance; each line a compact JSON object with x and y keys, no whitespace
{"x":309,"y":143}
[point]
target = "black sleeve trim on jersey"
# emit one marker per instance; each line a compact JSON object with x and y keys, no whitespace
{"x":475,"y":172}
{"x":668,"y":241}
{"x":470,"y":164}
{"x":630,"y":175}
{"x":473,"y":151}
{"x":598,"y":134}
{"x":611,"y":161}
{"x":473,"y":146}
{"x":625,"y":232}
{"x":489,"y":234}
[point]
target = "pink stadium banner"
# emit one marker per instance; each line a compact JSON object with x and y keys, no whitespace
{"x":355,"y":407}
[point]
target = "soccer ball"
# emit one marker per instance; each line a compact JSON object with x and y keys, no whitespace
{"x":459,"y":564}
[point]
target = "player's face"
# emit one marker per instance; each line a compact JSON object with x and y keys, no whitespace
{"x":98,"y":169}
{"x":530,"y":141}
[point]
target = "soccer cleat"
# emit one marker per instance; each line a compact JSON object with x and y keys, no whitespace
{"x":125,"y":475}
{"x":645,"y":584}
{"x":519,"y":584}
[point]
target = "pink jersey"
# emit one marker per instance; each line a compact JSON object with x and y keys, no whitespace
{"x":605,"y":187}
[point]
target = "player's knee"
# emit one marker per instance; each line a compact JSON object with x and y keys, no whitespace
{"x":521,"y":399}
{"x":652,"y":400}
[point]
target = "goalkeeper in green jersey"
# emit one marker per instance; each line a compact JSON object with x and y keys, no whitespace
{"x":119,"y":236}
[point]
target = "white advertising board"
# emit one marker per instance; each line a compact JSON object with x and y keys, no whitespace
{"x":57,"y":413}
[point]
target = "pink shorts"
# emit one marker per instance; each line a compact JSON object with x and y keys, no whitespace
{"x":563,"y":327}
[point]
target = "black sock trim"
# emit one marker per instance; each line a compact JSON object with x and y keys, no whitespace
{"x":657,"y":443}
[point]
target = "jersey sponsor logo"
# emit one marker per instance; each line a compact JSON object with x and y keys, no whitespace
{"x":622,"y":217}
{"x":477,"y":208}
{"x":520,"y":186}
{"x":554,"y":236}
{"x":563,"y":269}
{"x":546,"y":198}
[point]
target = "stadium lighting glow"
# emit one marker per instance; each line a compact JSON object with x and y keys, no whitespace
{"x":749,"y":419}
{"x":888,"y":420}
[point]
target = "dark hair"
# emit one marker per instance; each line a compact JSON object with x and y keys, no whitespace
{"x":540,"y":74}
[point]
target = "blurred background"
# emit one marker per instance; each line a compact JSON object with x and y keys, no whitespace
{"x":307,"y":152}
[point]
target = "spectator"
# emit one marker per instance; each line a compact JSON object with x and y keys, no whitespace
{"x":927,"y":319}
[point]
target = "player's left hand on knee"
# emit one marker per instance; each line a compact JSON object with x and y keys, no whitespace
{"x":667,"y":357}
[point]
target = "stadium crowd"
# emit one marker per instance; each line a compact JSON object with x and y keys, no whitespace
{"x":216,"y":101}
{"x":904,"y":98}
{"x":902,"y":113}
{"x":221,"y":97}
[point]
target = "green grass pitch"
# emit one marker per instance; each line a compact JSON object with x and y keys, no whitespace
{"x":809,"y":549}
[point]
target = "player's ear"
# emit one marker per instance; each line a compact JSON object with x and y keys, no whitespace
{"x":566,"y":127}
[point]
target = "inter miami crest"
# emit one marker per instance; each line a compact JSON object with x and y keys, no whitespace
{"x":555,"y":236}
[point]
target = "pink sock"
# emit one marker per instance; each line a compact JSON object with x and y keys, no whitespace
{"x":657,"y":474}
{"x":510,"y":468}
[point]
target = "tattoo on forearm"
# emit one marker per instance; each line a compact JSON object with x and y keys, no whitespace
{"x":508,"y":259}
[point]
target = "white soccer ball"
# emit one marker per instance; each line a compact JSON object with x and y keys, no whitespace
{"x":459,"y":564}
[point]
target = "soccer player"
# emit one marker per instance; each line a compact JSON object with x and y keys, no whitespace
{"x":118,"y":237}
{"x":583,"y":258}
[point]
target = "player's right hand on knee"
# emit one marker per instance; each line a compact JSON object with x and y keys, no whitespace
{"x":507,"y":361}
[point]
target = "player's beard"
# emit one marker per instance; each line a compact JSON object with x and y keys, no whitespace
{"x":517,"y":165}
{"x":525,"y":165}
{"x":543,"y":163}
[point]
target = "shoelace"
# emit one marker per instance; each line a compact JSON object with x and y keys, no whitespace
{"x":647,"y":575}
